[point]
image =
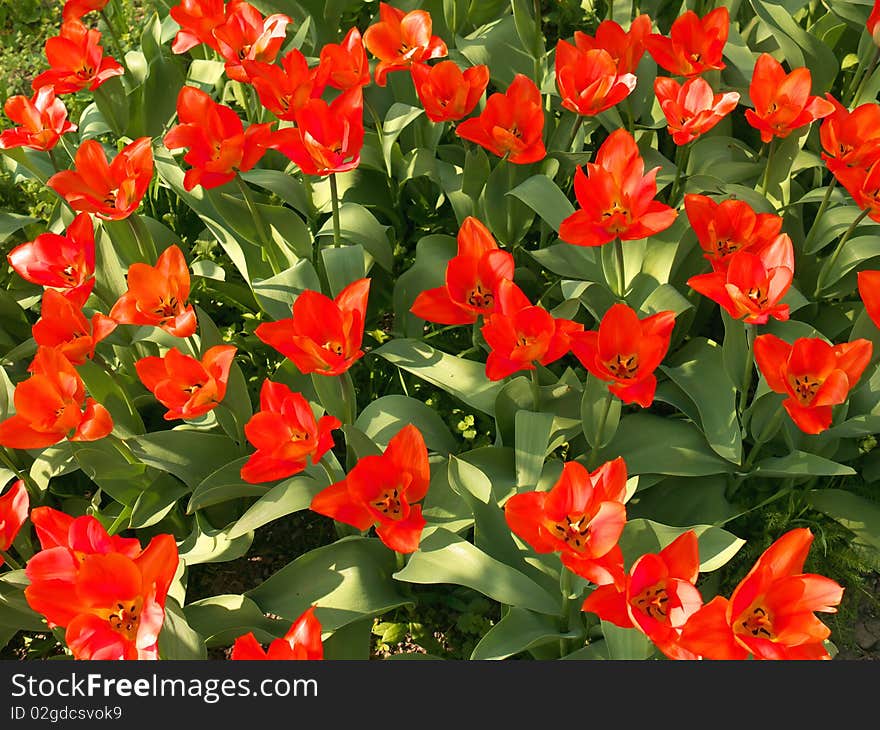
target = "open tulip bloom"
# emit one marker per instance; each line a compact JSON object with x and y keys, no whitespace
{"x":694,"y":45}
{"x":589,"y":81}
{"x":626,"y":47}
{"x":76,"y":60}
{"x":42,"y":120}
{"x":692,"y":108}
{"x":245,"y":35}
{"x":345,"y":65}
{"x":302,"y":641}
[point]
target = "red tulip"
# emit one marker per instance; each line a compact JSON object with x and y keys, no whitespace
{"x":813,"y":374}
{"x":472,"y":279}
{"x":324,"y":335}
{"x":657,"y":596}
{"x":43,"y":120}
{"x":187,"y":387}
{"x":521,"y":334}
{"x":76,"y":61}
{"x":447,"y":92}
{"x":692,"y":109}
{"x":158,"y":295}
{"x":49,"y":407}
{"x":873,"y":24}
{"x":511,"y":125}
{"x":75,"y":9}
{"x":327,"y":138}
{"x":197,"y":20}
{"x":626,"y":351}
{"x":246,"y":35}
{"x":588,"y":81}
{"x":14,"y":505}
{"x":111,"y":191}
{"x":381,"y":490}
{"x":285,"y":89}
{"x":302,"y":641}
{"x":285,"y":434}
{"x":64,"y":262}
{"x":616,"y":197}
{"x":400,"y":39}
{"x":729,"y":226}
{"x":344,"y":65}
{"x":581,"y":517}
{"x":864,"y":186}
{"x":105,"y":591}
{"x":694,"y":44}
{"x":869,"y":291}
{"x":851,"y":143}
{"x":782,"y":101}
{"x":753,"y":284}
{"x":770,"y":614}
{"x":626,"y":47}
{"x":63,"y":325}
{"x":218,"y":145}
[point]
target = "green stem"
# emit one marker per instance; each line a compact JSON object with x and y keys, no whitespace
{"x":196,"y":350}
{"x":70,"y":154}
{"x":865,"y":76}
{"x":822,"y":207}
{"x":574,"y":130}
{"x":117,"y":43}
{"x":26,"y":478}
{"x":9,"y":560}
{"x":621,"y":274}
{"x":334,"y":199}
{"x":400,"y":561}
{"x":565,"y":590}
{"x":539,"y":44}
{"x":766,"y":180}
{"x":536,"y":390}
{"x":53,"y":156}
{"x":751,"y":331}
{"x":349,"y":396}
{"x":265,"y":241}
{"x":826,"y":269}
{"x":146,"y":247}
{"x":682,"y":155}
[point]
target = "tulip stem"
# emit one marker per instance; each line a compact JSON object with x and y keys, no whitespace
{"x":116,"y":42}
{"x":334,"y":199}
{"x":565,"y":590}
{"x":765,"y":183}
{"x":536,"y":390}
{"x":9,"y":560}
{"x":823,"y":205}
{"x":197,"y":351}
{"x":865,"y":76}
{"x":621,"y":273}
{"x":26,"y":478}
{"x":54,"y":159}
{"x":574,"y":132}
{"x":751,"y":331}
{"x":682,"y":155}
{"x":265,"y":241}
{"x":826,"y":269}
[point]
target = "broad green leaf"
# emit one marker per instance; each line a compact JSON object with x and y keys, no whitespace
{"x":856,"y":513}
{"x":222,"y":619}
{"x":641,"y":536}
{"x":292,"y":495}
{"x":344,"y":265}
{"x":432,"y":256}
{"x":626,"y":644}
{"x":533,"y":432}
{"x":206,"y":544}
{"x":15,"y":611}
{"x":12,"y":222}
{"x":385,"y":416}
{"x":108,"y":465}
{"x":222,"y":485}
{"x":600,"y":412}
{"x":347,"y":580}
{"x":398,"y":118}
{"x":156,"y":501}
{"x":359,"y":225}
{"x":277,"y":293}
{"x":519,"y":631}
{"x":544,"y":197}
{"x":110,"y":393}
{"x":188,"y":454}
{"x":177,"y":639}
{"x":444,"y":557}
{"x":800,"y":463}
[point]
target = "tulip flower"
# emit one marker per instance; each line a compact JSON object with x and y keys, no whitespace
{"x":302,"y":641}
{"x":246,"y":35}
{"x":64,"y":262}
{"x":49,"y":406}
{"x":753,"y":284}
{"x":75,"y":9}
{"x":327,"y":138}
{"x":197,"y":20}
{"x":324,"y":335}
{"x":187,"y":387}
{"x":864,"y":186}
{"x":521,"y":334}
{"x":113,"y":190}
{"x":850,"y":139}
{"x":14,"y":505}
{"x":472,"y":279}
{"x":447,"y":92}
{"x":285,"y":434}
{"x":400,"y":39}
{"x":691,"y":108}
{"x":63,"y":325}
{"x":782,"y":101}
{"x":588,"y":81}
{"x":42,"y":120}
{"x":869,"y":291}
{"x":625,"y":46}
{"x":76,"y":61}
{"x":381,"y":490}
{"x":626,"y":351}
{"x":729,"y":226}
{"x":813,"y":374}
{"x":616,"y":197}
{"x":158,"y":295}
{"x":694,"y":45}
{"x":657,"y":597}
{"x":286,"y":88}
{"x":771,"y":612}
{"x":873,"y":23}
{"x":105,"y":591}
{"x":217,"y":143}
{"x":345,"y":65}
{"x":511,"y":125}
{"x":581,"y":518}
